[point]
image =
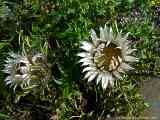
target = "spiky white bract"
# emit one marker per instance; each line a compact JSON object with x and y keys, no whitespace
{"x":26,"y":71}
{"x":106,"y":57}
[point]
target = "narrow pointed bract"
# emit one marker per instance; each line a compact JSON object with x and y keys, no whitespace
{"x":106,"y":58}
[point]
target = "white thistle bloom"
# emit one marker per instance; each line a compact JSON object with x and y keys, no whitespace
{"x":105,"y":58}
{"x":26,"y":71}
{"x":17,"y":67}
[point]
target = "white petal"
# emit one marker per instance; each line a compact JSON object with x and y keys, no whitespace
{"x":123,"y":42}
{"x":87,"y":63}
{"x":120,"y":59}
{"x":129,"y":51}
{"x":105,"y":27}
{"x":102,"y":35}
{"x":119,"y":47}
{"x":127,"y":44}
{"x":117,"y":74}
{"x":8,"y":82}
{"x":83,"y":54}
{"x":105,"y":80}
{"x":107,"y":35}
{"x":108,"y":78}
{"x":110,"y":30}
{"x":111,"y":65}
{"x":13,"y":55}
{"x":126,"y":66}
{"x":7,"y":71}
{"x":86,"y":46}
{"x":111,"y":81}
{"x":108,"y":42}
{"x":115,"y":62}
{"x":92,"y":76}
{"x":93,"y":34}
{"x":85,"y":60}
{"x":118,"y":37}
{"x":130,"y":59}
{"x":120,"y":69}
{"x":89,"y":73}
{"x":8,"y":78}
{"x":88,"y":69}
{"x":94,"y":37}
{"x":110,"y":34}
{"x":125,"y":36}
{"x":99,"y":78}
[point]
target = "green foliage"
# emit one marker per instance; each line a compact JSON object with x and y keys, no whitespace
{"x":154,"y":2}
{"x":56,"y":28}
{"x":5,"y":117}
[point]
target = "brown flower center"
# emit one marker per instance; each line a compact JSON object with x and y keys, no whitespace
{"x":108,"y":58}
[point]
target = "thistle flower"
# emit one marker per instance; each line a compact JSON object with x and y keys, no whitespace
{"x":17,"y":67}
{"x":26,"y":71}
{"x":105,"y":58}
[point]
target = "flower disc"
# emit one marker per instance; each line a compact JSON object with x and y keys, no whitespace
{"x":106,"y":57}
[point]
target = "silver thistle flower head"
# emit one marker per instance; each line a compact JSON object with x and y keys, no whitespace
{"x":105,"y":58}
{"x":26,"y":71}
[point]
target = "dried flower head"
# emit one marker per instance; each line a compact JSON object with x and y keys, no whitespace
{"x":26,"y":71}
{"x":106,"y":57}
{"x":40,"y":69}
